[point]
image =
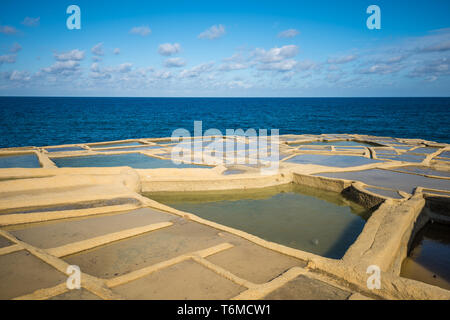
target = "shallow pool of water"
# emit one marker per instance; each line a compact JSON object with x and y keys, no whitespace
{"x":383,"y":192}
{"x":424,"y":170}
{"x":331,"y":160}
{"x":233,"y":171}
{"x":425,"y":150}
{"x":345,"y":143}
{"x":63,"y":149}
{"x":429,"y":258}
{"x":130,"y":149}
{"x":391,"y":179}
{"x":445,"y":154}
{"x":385,"y":151}
{"x":116,"y":144}
{"x":403,"y":157}
{"x":133,"y":160}
{"x":19,"y":161}
{"x":321,"y":222}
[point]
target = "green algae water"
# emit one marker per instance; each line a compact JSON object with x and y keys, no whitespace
{"x":317,"y":221}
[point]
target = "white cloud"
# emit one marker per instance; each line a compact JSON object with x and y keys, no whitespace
{"x":237,"y":57}
{"x":197,"y":70}
{"x":342,"y":59}
{"x":233,"y":66}
{"x":432,"y":68}
{"x":75,"y":54}
{"x":116,"y":51}
{"x":276,"y":54}
{"x":390,"y":60}
{"x":167,"y":49}
{"x":7,"y":58}
{"x":142,"y":31}
{"x":307,"y":65}
{"x":125,"y":67}
{"x":8,"y":30}
{"x":282,"y":66}
{"x":31,"y":22}
{"x":15,"y":48}
{"x":100,"y":75}
{"x":439,"y":47}
{"x":380,"y":68}
{"x":95,"y":67}
{"x":213,"y":32}
{"x":174,"y":63}
{"x":290,"y":33}
{"x":19,"y":76}
{"x":161,"y":74}
{"x":63,"y":67}
{"x":333,"y":67}
{"x":98,"y":49}
{"x":238,"y":84}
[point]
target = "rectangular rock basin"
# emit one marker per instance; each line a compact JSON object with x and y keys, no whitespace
{"x":424,"y":170}
{"x":429,"y":257}
{"x":115,"y":144}
{"x":390,"y":179}
{"x":19,"y":161}
{"x":425,"y":150}
{"x":403,"y":157}
{"x":445,"y":154}
{"x":64,"y":149}
{"x":335,"y":143}
{"x":321,"y":222}
{"x":129,"y":149}
{"x":133,"y":160}
{"x":331,"y":160}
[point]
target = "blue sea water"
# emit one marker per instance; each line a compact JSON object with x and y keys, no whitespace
{"x":40,"y":121}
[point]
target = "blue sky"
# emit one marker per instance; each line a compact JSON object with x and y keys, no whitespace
{"x":225,"y":48}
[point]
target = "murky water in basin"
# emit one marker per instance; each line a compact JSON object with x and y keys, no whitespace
{"x":324,"y":223}
{"x":429,"y":259}
{"x":133,"y":160}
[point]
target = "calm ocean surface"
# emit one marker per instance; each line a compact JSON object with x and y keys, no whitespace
{"x":51,"y":121}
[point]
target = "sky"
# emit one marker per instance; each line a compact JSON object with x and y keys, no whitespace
{"x":246,"y":48}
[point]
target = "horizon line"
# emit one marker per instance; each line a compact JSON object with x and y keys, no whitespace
{"x":224,"y":97}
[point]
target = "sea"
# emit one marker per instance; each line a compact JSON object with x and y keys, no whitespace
{"x":43,"y":121}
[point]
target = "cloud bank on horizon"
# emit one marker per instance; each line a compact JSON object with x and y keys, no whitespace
{"x":201,"y":49}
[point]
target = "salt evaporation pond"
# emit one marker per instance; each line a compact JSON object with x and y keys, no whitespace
{"x":317,"y":221}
